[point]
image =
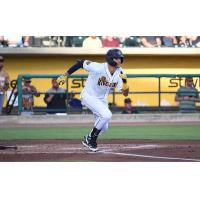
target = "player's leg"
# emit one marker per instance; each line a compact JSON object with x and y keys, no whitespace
{"x":90,"y":139}
{"x":104,"y":128}
{"x":103,"y":115}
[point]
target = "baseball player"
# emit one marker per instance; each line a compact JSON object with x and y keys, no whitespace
{"x":103,"y":77}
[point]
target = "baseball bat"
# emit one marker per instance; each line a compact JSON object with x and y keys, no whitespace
{"x":8,"y":147}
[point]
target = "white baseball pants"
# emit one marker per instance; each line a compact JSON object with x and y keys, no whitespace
{"x":99,"y":108}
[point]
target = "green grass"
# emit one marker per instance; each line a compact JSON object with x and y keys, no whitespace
{"x":157,"y":132}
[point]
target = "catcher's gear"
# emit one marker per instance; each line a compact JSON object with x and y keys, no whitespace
{"x":61,"y":79}
{"x":114,"y":54}
{"x":124,"y":79}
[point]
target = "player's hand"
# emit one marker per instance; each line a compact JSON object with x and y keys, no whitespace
{"x":124,"y":80}
{"x":123,"y":77}
{"x":61,"y":79}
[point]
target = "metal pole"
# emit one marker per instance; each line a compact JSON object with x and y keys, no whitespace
{"x":67,"y":86}
{"x":159,"y":93}
{"x":114,"y":97}
{"x":19,"y":91}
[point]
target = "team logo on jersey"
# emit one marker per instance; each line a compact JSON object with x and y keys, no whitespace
{"x":103,"y":82}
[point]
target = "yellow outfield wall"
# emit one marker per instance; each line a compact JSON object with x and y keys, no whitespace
{"x":134,"y":64}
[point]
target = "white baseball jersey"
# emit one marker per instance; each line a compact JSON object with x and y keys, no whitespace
{"x":100,"y":82}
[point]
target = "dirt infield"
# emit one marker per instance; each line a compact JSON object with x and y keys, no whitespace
{"x":109,"y":151}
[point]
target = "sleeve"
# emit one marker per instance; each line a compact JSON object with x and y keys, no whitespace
{"x":92,"y":67}
{"x":34,"y":91}
{"x":45,"y":98}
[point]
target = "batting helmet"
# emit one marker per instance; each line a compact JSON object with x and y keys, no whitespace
{"x":114,"y":54}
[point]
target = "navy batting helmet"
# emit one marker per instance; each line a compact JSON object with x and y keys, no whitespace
{"x":114,"y":53}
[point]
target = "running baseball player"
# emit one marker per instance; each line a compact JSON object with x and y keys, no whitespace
{"x":103,"y":77}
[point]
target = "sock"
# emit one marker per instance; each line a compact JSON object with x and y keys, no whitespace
{"x":94,"y":133}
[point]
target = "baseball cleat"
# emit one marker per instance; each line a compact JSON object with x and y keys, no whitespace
{"x":90,"y":144}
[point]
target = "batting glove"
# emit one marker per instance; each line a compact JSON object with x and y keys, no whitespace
{"x":124,"y":79}
{"x":61,"y":79}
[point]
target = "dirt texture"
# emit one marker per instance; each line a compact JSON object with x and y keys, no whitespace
{"x":109,"y":151}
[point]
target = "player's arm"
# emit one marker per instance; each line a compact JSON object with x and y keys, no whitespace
{"x":48,"y":98}
{"x":196,"y":97}
{"x":125,"y":87}
{"x":34,"y":91}
{"x":6,"y":86}
{"x":79,"y":64}
{"x":178,"y":98}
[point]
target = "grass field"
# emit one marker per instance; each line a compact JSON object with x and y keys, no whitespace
{"x":150,"y":132}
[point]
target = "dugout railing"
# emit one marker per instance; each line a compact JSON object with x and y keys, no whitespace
{"x":157,"y":76}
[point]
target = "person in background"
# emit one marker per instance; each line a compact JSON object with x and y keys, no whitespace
{"x":14,"y":41}
{"x":169,"y":41}
{"x":2,"y":43}
{"x":28,"y":93}
{"x":55,"y":98}
{"x":75,"y":41}
{"x":26,"y":40}
{"x":4,"y":83}
{"x":36,"y":41}
{"x":128,"y":108}
{"x":150,"y":41}
{"x":74,"y":102}
{"x":189,"y":41}
{"x":92,"y":42}
{"x":187,"y":96}
{"x":110,"y":41}
{"x":132,"y":41}
{"x":194,"y":41}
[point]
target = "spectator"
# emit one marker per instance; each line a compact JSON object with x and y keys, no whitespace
{"x":110,"y":41}
{"x":169,"y":41}
{"x":92,"y":42}
{"x":76,"y":41}
{"x":28,"y":93}
{"x":132,"y":41}
{"x":74,"y":102}
{"x":187,"y":96}
{"x":26,"y":41}
{"x":150,"y":41}
{"x":4,"y":83}
{"x":1,"y":41}
{"x":50,"y":41}
{"x":41,"y":41}
{"x":14,"y":41}
{"x":194,"y":41}
{"x":55,"y":98}
{"x":33,"y":41}
{"x":128,"y":109}
{"x":182,"y":41}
